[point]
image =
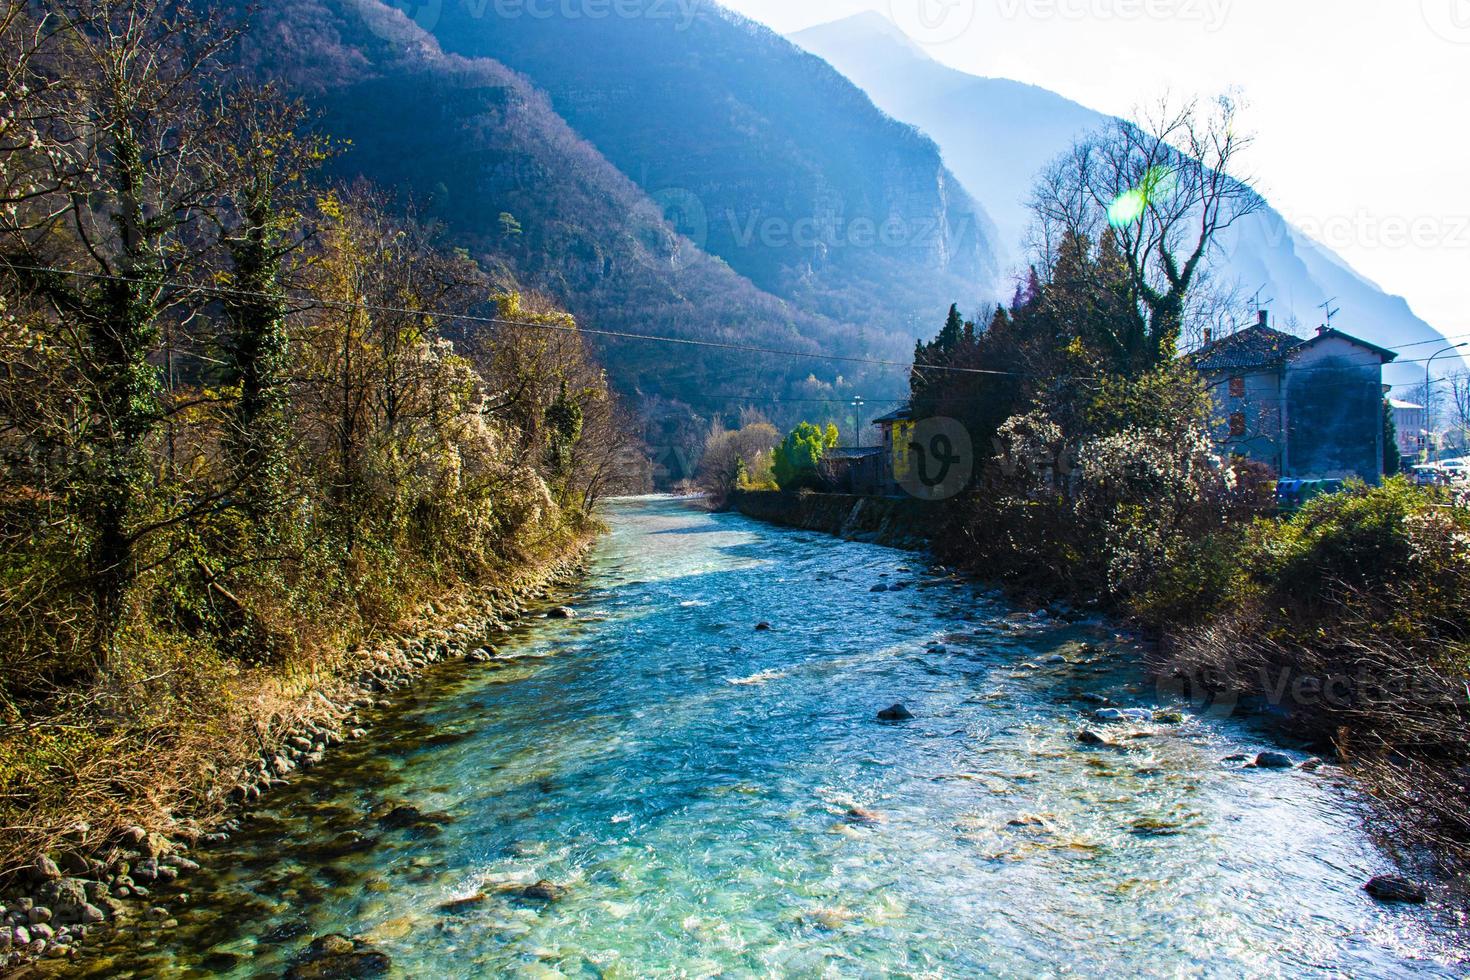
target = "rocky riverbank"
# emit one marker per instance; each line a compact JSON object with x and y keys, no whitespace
{"x":76,"y":897}
{"x":895,"y":522}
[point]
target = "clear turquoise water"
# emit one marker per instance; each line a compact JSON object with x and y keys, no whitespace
{"x":689,"y":780}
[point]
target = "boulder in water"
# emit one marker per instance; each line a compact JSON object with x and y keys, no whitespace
{"x":544,"y":891}
{"x":762,"y":627}
{"x":333,"y":957}
{"x":1273,"y":760}
{"x":862,"y":817}
{"x":1395,"y":888}
{"x":561,"y":612}
{"x":1089,"y":737}
{"x":895,"y":712}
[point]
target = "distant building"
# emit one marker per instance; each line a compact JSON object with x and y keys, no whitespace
{"x":846,"y":469}
{"x":1410,"y":422}
{"x":1310,"y":409}
{"x":897,"y":458}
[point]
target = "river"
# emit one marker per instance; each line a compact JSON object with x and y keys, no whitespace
{"x":719,"y":800}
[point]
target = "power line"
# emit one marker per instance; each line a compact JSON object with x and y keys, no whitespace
{"x":500,"y":321}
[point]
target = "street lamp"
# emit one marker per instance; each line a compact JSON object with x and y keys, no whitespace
{"x":857,"y":408}
{"x":1429,"y":402}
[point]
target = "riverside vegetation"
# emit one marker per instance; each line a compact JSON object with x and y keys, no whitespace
{"x":245,"y":445}
{"x":1099,"y":480}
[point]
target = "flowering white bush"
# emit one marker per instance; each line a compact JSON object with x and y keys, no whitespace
{"x":1144,"y":491}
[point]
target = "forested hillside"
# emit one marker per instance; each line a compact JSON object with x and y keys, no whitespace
{"x":772,"y":160}
{"x":480,"y":151}
{"x":239,"y":434}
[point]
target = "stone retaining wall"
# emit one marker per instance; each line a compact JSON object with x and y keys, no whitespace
{"x":897,"y":522}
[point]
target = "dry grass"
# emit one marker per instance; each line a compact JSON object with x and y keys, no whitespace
{"x":162,"y":738}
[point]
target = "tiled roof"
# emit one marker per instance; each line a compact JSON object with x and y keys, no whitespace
{"x":901,"y":415}
{"x":1253,"y":347}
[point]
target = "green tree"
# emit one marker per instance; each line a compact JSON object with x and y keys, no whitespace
{"x":564,"y":427}
{"x":264,"y":170}
{"x":796,"y":460}
{"x":1393,"y":461}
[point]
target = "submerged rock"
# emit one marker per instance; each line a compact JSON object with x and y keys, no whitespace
{"x":544,"y":891}
{"x":561,"y":612}
{"x":762,"y":627}
{"x":1274,"y":760}
{"x":1089,"y":737}
{"x":862,"y":817}
{"x":456,"y":906}
{"x":1395,"y":888}
{"x":333,"y":957}
{"x":895,"y":712}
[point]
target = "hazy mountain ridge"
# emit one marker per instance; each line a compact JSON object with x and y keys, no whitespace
{"x":996,"y":134}
{"x":768,"y":157}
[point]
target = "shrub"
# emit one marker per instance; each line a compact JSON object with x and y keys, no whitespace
{"x":795,"y":462}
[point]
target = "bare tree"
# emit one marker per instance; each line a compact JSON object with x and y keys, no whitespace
{"x":1160,"y":193}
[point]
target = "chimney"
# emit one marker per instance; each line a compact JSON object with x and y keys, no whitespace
{"x":1321,"y":330}
{"x":1263,"y":318}
{"x":1209,"y":335}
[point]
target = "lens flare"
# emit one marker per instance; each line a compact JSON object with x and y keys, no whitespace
{"x":1128,"y":207}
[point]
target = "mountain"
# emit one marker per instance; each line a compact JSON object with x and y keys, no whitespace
{"x":467,"y":140}
{"x":997,"y":134}
{"x":763,"y":154}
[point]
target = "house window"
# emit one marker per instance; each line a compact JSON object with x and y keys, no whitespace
{"x":1237,"y":423}
{"x":1237,"y":387}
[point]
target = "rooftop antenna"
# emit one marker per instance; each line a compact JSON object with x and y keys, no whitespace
{"x":1256,"y":303}
{"x":1327,"y":308}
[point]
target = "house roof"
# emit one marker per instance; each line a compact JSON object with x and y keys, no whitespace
{"x":853,"y":452}
{"x":1255,"y":346}
{"x":1333,"y":332}
{"x":1407,"y":406}
{"x":1260,"y":346}
{"x":898,"y":415}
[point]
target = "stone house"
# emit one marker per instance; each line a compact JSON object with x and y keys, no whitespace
{"x":1310,"y":409}
{"x":1410,"y":421}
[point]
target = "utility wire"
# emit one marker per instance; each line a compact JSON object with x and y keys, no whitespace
{"x":224,"y":291}
{"x":500,"y":321}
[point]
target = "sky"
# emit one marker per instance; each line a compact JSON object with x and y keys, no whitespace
{"x":1358,"y":107}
